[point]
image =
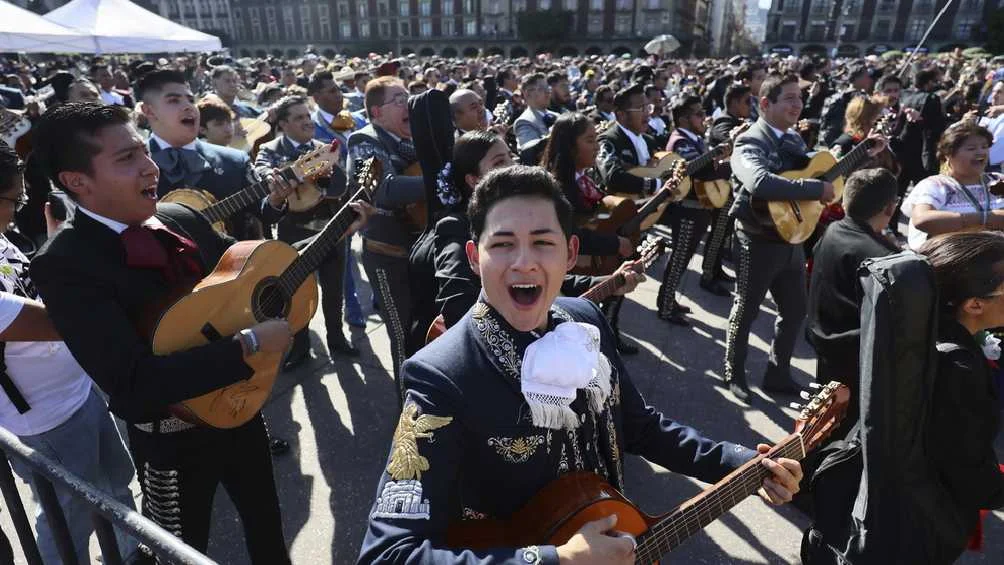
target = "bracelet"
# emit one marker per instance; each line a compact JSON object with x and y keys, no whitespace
{"x":251,"y":339}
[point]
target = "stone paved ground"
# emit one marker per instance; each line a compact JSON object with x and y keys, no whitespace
{"x":339,"y":417}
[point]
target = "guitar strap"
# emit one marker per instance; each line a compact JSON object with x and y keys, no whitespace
{"x":16,"y":398}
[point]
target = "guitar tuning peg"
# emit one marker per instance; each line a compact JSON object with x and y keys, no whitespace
{"x":805,"y":395}
{"x":815,"y":386}
{"x":795,"y":406}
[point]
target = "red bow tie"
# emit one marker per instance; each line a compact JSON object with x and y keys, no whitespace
{"x":154,"y":246}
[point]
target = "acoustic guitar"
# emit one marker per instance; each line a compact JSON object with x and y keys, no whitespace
{"x":649,"y":252}
{"x":715,"y":193}
{"x":253,"y":282}
{"x":562,"y":507}
{"x":308,"y":167}
{"x":15,"y":128}
{"x":796,"y":220}
{"x":622,"y":217}
{"x":250,"y":132}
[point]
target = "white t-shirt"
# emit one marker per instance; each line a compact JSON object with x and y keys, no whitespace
{"x":45,"y":372}
{"x":112,"y":98}
{"x":944,"y":193}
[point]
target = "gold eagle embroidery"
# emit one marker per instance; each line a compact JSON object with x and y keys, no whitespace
{"x":405,"y":461}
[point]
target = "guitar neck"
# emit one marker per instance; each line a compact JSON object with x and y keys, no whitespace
{"x":604,"y":290}
{"x":701,"y":161}
{"x":324,"y":243}
{"x":692,"y":516}
{"x":848,"y":163}
{"x":240,"y":200}
{"x":634,"y":224}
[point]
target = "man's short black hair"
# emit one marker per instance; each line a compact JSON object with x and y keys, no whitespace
{"x":154,"y":81}
{"x":10,"y":166}
{"x":530,"y":80}
{"x":283,"y":107}
{"x":774,"y":84}
{"x":602,"y":91}
{"x":925,"y":76}
{"x":685,"y":107}
{"x":736,"y":92}
{"x":622,"y":100}
{"x":222,"y":70}
{"x":556,"y":77}
{"x":63,"y":138}
{"x":867,"y":192}
{"x":317,"y":81}
{"x":517,"y":180}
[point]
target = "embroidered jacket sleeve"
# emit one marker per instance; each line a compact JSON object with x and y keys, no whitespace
{"x":751,"y":165}
{"x":687,"y":149}
{"x":395,"y":190}
{"x":614,"y":171}
{"x":416,"y":497}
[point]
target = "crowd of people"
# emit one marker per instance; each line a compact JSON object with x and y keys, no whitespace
{"x":498,"y":186}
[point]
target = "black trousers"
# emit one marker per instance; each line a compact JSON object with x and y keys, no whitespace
{"x":721,"y":227}
{"x":689,"y":225}
{"x":330,"y":277}
{"x":388,"y":277}
{"x":762,"y":266}
{"x":180,"y":471}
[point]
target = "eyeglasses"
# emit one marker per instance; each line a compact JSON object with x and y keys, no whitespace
{"x":397,"y":100}
{"x":18,"y":203}
{"x":647,"y":108}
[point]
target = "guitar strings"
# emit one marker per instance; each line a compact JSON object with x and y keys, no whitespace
{"x":650,"y":550}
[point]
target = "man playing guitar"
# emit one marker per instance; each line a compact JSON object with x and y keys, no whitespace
{"x":101,"y":275}
{"x":526,"y":387}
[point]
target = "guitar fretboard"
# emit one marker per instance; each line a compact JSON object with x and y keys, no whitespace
{"x":694,"y":515}
{"x":848,"y":163}
{"x":604,"y":290}
{"x":238,"y":201}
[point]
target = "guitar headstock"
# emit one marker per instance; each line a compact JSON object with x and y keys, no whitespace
{"x":370,"y":174}
{"x":885,"y":124}
{"x":676,"y":176}
{"x":739,"y":130}
{"x":650,"y":250}
{"x":317,"y":163}
{"x":822,"y":414}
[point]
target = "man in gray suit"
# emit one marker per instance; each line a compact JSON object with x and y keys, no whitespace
{"x":533,"y":125}
{"x":769,"y":147}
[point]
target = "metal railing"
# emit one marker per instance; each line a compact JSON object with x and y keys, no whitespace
{"x":106,"y":512}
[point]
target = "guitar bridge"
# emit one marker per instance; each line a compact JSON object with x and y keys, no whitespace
{"x":796,"y":209}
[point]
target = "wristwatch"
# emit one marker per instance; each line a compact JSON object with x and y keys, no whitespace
{"x":250,"y":339}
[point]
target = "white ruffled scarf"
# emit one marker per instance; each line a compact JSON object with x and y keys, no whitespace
{"x":556,"y":366}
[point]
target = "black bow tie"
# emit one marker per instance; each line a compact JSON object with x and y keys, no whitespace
{"x":179,"y":164}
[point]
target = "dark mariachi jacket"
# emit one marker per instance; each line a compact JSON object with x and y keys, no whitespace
{"x":685,"y":146}
{"x":617,"y":156}
{"x":466,"y":448}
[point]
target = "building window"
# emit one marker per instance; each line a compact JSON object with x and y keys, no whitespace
{"x":571,"y":5}
{"x":816,"y":32}
{"x":343,"y":11}
{"x":469,"y":8}
{"x":404,"y":8}
{"x":384,"y":29}
{"x":881,"y":32}
{"x":287,"y":22}
{"x":447,"y":25}
{"x":425,"y":28}
{"x":972,"y":5}
{"x":494,"y":6}
{"x":382,"y":9}
{"x":447,"y":7}
{"x":964,"y":29}
{"x":404,"y":29}
{"x":424,"y":7}
{"x":323,"y":21}
{"x":622,"y":25}
{"x":653,"y":4}
{"x":362,"y":10}
{"x":255,"y":24}
{"x":345,"y":30}
{"x":788,"y":32}
{"x":271,"y":23}
{"x":595,"y":24}
{"x":470,"y":27}
{"x":623,"y":5}
{"x":364,"y":29}
{"x":239,"y":25}
{"x":543,"y":4}
{"x":596,"y":5}
{"x":847,"y":33}
{"x":305,"y":30}
{"x":850,"y":6}
{"x":916,"y":30}
{"x":518,"y":5}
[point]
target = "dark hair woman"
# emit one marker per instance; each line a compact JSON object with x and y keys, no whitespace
{"x":965,"y":410}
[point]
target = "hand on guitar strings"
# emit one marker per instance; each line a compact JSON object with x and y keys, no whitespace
{"x":632,"y":278}
{"x":363,"y":212}
{"x":785,"y":483}
{"x":598,"y":543}
{"x":879,"y":143}
{"x":280,"y":188}
{"x":273,"y":336}
{"x":624,"y":247}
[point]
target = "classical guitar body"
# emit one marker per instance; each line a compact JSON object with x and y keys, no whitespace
{"x":238,"y":294}
{"x":305,"y":197}
{"x":713,"y":193}
{"x":196,"y":199}
{"x":553,"y":516}
{"x":795,"y":220}
{"x":614,"y":212}
{"x":667,"y":161}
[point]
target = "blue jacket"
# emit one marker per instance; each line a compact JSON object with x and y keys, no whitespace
{"x":465,"y":417}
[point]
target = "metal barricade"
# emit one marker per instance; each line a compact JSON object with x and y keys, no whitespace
{"x":107,"y":513}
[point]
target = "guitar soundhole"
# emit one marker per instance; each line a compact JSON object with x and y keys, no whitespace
{"x":270,"y":302}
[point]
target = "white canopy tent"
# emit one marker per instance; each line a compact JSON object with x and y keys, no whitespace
{"x":119,"y":26}
{"x":24,"y":31}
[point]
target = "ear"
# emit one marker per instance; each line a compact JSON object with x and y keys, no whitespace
{"x":972,"y":306}
{"x":763,"y":102}
{"x":573,"y":252}
{"x":472,"y":181}
{"x":76,"y":182}
{"x":147,"y":111}
{"x":473,"y":256}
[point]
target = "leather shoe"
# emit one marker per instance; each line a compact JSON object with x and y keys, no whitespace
{"x":780,"y":385}
{"x":342,"y":345}
{"x":296,"y":359}
{"x":625,"y":348}
{"x":714,"y":287}
{"x":278,"y":446}
{"x":741,"y":391}
{"x":676,"y":316}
